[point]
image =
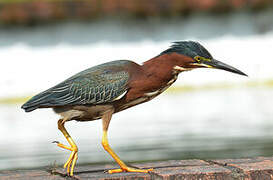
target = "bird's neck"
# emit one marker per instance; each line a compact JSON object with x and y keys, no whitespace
{"x":160,"y":67}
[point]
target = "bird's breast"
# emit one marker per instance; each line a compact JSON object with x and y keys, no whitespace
{"x":162,"y":88}
{"x":146,"y":95}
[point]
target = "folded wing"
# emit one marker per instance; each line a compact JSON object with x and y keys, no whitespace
{"x":96,"y":85}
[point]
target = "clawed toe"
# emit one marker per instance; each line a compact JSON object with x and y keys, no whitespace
{"x":129,"y":169}
{"x":71,"y":162}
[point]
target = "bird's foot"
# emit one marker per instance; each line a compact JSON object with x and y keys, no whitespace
{"x":71,"y":162}
{"x":129,"y":169}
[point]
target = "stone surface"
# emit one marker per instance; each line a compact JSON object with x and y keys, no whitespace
{"x":254,"y":168}
{"x":260,"y":168}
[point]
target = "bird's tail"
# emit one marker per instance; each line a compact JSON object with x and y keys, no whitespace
{"x":36,"y":102}
{"x":28,"y":108}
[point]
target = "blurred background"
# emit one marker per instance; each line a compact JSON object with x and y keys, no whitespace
{"x":206,"y":114}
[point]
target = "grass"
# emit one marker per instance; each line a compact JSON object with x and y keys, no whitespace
{"x":220,"y":86}
{"x":19,"y":1}
{"x":175,"y":89}
{"x":14,"y":100}
{"x":24,"y":1}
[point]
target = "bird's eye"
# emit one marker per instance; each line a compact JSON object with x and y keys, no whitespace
{"x":198,"y":59}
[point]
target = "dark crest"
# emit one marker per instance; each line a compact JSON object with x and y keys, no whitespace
{"x":188,"y":48}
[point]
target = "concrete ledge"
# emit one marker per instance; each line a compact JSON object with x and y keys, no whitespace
{"x":260,"y":168}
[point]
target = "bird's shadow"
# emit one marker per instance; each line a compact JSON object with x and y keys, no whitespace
{"x":58,"y":171}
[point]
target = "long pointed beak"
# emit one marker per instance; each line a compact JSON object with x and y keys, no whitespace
{"x":219,"y":65}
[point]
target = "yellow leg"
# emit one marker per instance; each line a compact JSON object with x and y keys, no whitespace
{"x":123,"y":167}
{"x":70,"y":163}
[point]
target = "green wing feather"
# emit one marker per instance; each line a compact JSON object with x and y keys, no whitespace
{"x":96,"y":85}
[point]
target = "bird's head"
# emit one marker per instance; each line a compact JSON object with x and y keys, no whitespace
{"x":196,"y":56}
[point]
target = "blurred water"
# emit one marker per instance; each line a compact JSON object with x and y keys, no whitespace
{"x":156,"y":29}
{"x":35,"y":59}
{"x":209,"y":124}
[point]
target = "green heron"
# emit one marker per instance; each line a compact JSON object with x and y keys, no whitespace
{"x":102,"y":90}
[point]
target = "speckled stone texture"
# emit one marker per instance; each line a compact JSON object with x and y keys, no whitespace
{"x":260,"y":168}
